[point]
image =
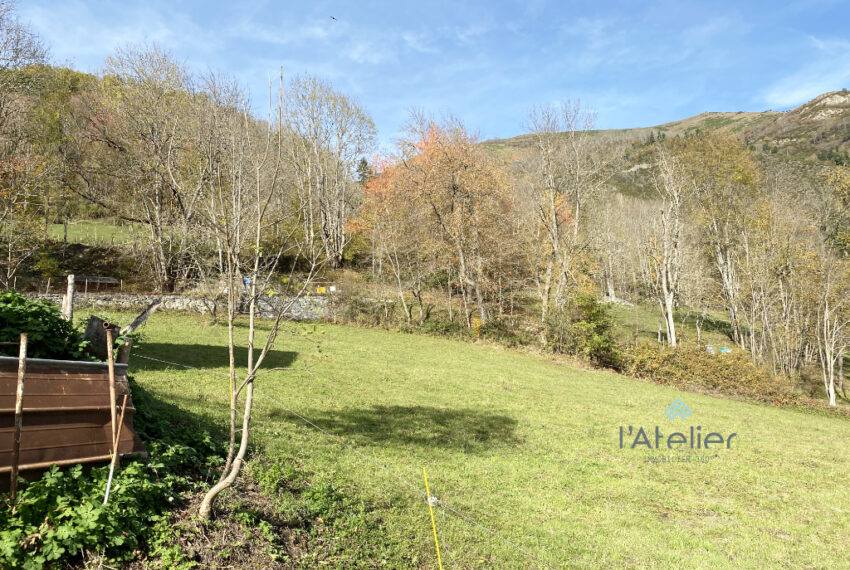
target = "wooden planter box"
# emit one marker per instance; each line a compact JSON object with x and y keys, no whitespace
{"x":66,"y":415}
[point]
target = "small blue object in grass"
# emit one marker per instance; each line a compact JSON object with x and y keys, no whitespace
{"x":724,"y":350}
{"x":246,"y":281}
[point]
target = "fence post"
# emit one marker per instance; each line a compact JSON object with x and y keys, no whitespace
{"x":19,"y":416}
{"x":68,"y":301}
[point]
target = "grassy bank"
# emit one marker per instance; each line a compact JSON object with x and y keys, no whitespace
{"x":526,"y":446}
{"x":93,"y":232}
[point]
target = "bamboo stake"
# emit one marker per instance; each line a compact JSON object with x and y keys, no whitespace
{"x":114,"y":463}
{"x":19,"y":416}
{"x":433,"y":522}
{"x":111,"y":364}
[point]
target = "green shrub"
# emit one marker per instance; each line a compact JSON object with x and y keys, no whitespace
{"x":451,"y":329}
{"x":275,"y":475}
{"x":691,"y":368}
{"x":583,"y":328}
{"x":47,"y":266}
{"x":366,"y":312}
{"x":48,"y":334}
{"x":503,"y":333}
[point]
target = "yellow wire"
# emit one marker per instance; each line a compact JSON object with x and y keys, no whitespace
{"x":433,"y":523}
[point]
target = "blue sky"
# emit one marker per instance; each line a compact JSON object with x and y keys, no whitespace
{"x":633,"y":63}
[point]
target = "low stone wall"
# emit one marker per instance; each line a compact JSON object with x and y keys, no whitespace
{"x":302,"y":309}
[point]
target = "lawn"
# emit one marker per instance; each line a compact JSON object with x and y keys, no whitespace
{"x":529,"y":448}
{"x":92,"y":232}
{"x":641,"y":321}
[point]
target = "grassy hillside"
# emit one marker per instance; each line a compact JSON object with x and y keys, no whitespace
{"x":91,"y":232}
{"x":818,"y":130}
{"x":729,"y":121}
{"x":528,"y":447}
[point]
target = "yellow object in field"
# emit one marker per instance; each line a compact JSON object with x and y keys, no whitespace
{"x":431,"y":500}
{"x":476,"y":325}
{"x":321,"y":290}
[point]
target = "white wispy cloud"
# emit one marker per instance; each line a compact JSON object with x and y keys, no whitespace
{"x":287,"y":33}
{"x":78,"y":34}
{"x":417,"y":41}
{"x":828,"y":69}
{"x":367,"y":52}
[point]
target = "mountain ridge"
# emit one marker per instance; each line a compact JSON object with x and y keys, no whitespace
{"x":818,"y":129}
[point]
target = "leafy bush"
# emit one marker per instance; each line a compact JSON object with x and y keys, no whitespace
{"x":61,"y":515}
{"x":451,"y":329}
{"x":502,"y":332}
{"x":47,"y":265}
{"x":583,"y":328}
{"x":48,"y":334}
{"x":367,"y":312}
{"x":689,"y":368}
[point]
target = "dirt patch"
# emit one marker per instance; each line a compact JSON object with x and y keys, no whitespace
{"x":244,"y":532}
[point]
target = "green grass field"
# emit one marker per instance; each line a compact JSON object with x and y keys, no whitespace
{"x":640,"y":322}
{"x":93,"y":232}
{"x":528,"y":447}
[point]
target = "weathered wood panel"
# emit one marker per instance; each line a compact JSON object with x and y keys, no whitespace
{"x":66,"y":414}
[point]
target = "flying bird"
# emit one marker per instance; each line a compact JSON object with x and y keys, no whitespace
{"x":334,"y":19}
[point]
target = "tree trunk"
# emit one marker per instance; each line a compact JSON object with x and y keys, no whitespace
{"x":224,"y":483}
{"x":668,"y":319}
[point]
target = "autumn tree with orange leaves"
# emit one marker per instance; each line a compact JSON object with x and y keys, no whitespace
{"x":441,"y":205}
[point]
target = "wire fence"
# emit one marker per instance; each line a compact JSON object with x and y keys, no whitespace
{"x":407,"y":484}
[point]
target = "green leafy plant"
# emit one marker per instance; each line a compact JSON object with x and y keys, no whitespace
{"x":583,"y":328}
{"x":695,"y":369}
{"x":451,"y":329}
{"x":503,"y":332}
{"x":48,"y":334}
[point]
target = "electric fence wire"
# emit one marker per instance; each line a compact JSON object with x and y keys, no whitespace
{"x":372,"y":461}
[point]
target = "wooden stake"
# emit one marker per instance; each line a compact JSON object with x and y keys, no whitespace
{"x":68,"y":302}
{"x":19,"y":416}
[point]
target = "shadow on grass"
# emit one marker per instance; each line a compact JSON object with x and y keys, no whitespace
{"x":465,"y":429}
{"x":201,"y":356}
{"x":718,"y":325}
{"x":158,"y":420}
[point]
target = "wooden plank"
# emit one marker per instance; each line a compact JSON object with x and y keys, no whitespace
{"x":65,"y":418}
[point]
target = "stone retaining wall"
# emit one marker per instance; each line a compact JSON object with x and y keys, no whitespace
{"x":304,"y":308}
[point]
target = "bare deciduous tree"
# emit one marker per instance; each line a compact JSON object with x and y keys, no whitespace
{"x":672,"y":186}
{"x":19,"y":201}
{"x":329,"y":134}
{"x":243,"y":197}
{"x":833,"y":319}
{"x":136,"y":159}
{"x":566,"y":173}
